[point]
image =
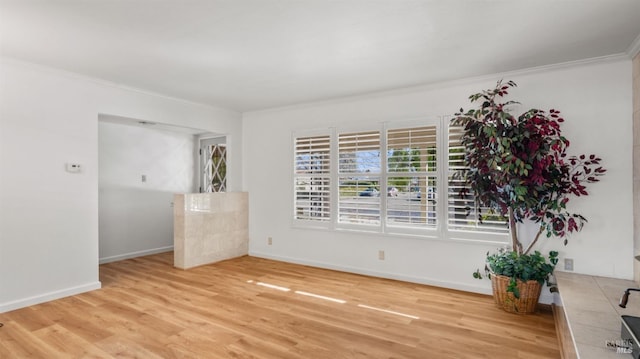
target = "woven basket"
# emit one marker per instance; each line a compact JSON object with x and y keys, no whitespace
{"x":529,"y":295}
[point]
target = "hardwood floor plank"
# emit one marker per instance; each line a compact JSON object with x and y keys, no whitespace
{"x":67,"y":344}
{"x":19,"y":342}
{"x":257,"y":308}
{"x":202,"y":343}
{"x":32,"y":318}
{"x":124,"y":348}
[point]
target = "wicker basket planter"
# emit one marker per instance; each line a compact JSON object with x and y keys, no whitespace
{"x":529,"y":295}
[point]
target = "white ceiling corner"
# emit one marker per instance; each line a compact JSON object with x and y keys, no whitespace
{"x":634,"y":48}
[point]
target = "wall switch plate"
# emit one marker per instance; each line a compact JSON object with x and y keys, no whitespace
{"x":381,"y":255}
{"x":568,"y":264}
{"x":144,"y":178}
{"x":269,"y":241}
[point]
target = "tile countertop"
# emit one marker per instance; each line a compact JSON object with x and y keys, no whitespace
{"x":591,"y":307}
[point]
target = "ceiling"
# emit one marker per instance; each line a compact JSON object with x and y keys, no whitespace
{"x":256,"y":54}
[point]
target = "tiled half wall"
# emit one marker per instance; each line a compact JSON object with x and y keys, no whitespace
{"x":210,"y":227}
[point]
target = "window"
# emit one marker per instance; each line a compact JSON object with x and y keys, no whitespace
{"x":359,"y":178}
{"x":462,"y":211}
{"x":389,"y":179}
{"x":213,"y":161}
{"x":312,"y":178}
{"x":412,"y":177}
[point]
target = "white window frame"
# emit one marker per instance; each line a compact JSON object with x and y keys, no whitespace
{"x":440,"y":232}
{"x":430,"y":232}
{"x":454,"y":233}
{"x":204,"y":143}
{"x":308,"y":223}
{"x":365,"y":227}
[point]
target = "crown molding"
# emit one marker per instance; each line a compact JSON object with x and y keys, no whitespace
{"x":449,"y":83}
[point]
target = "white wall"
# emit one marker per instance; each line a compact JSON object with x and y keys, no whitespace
{"x":48,"y":217}
{"x":595,"y":99}
{"x":136,"y":217}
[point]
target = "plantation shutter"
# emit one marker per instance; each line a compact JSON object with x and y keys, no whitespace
{"x":411,"y":181}
{"x":462,"y":212}
{"x":359,"y":152}
{"x":312,"y":178}
{"x":359,"y":178}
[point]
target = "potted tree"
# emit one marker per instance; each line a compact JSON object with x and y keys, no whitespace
{"x":519,"y":168}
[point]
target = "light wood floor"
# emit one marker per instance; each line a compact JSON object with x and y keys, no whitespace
{"x":240,"y":309}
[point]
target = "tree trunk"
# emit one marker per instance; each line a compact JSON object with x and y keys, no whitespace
{"x":515,"y":243}
{"x":540,"y":230}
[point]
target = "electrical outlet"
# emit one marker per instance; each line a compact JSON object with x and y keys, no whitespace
{"x":568,"y":264}
{"x":269,"y":241}
{"x":381,"y":255}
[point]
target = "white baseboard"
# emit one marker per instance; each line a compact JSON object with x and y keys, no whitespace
{"x":145,"y":252}
{"x":404,"y":278}
{"x":545,"y":298}
{"x":46,"y":297}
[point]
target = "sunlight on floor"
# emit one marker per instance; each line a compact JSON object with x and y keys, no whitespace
{"x":388,"y":311}
{"x":330,"y":299}
{"x":272,"y":286}
{"x":321,"y":297}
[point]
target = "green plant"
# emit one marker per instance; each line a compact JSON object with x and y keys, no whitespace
{"x":522,"y":267}
{"x":518,"y":167}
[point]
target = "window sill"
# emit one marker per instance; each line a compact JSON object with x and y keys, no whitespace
{"x":432,"y":235}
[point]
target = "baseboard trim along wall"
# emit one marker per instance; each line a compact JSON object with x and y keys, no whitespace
{"x":46,"y":297}
{"x":545,"y":298}
{"x":129,"y":255}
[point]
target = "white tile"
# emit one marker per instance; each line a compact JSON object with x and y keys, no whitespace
{"x":215,"y":227}
{"x":599,"y":352}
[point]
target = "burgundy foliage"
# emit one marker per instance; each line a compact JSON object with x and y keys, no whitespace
{"x":519,"y":166}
